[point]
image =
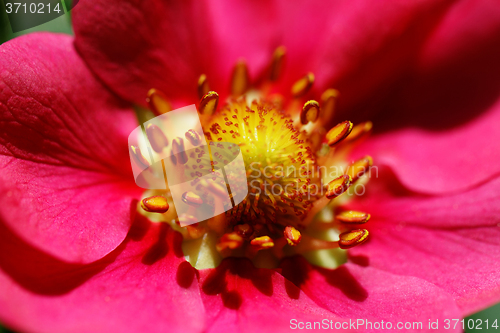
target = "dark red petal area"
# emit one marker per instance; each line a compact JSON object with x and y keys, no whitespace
{"x":355,"y":292}
{"x":359,"y":47}
{"x":134,"y":46}
{"x":452,"y":94}
{"x":65,"y":182}
{"x":450,"y":81}
{"x":451,"y":241}
{"x":144,"y":285}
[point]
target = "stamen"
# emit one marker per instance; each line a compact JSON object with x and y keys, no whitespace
{"x":244,"y":230}
{"x":156,"y":137}
{"x":302,"y":85}
{"x":271,"y":141}
{"x":352,"y":238}
{"x":208,"y":103}
{"x":338,"y":186}
{"x":309,"y":243}
{"x":192,"y":199}
{"x":218,"y":223}
{"x":359,"y":131}
{"x":338,"y":133}
{"x":229,"y":241}
{"x":216,"y":188}
{"x":240,"y":80}
{"x":195,"y":231}
{"x":328,"y":103}
{"x":352,"y":216}
{"x":261,"y":243}
{"x":277,"y":63}
{"x":203,"y":86}
{"x":292,"y":235}
{"x":155,"y":204}
{"x":178,"y":151}
{"x":186,"y":219}
{"x":158,"y":102}
{"x":359,"y":168}
{"x":193,"y":137}
{"x":138,"y":157}
{"x":310,"y":112}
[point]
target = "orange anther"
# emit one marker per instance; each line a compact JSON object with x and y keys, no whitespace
{"x":229,"y":241}
{"x":359,"y":131}
{"x":359,"y":168}
{"x":178,"y":150}
{"x":302,"y":85}
{"x":158,"y":102}
{"x":192,"y":199}
{"x":240,"y":79}
{"x":138,"y":157}
{"x":352,"y":238}
{"x":352,"y":216}
{"x":310,"y":112}
{"x":217,"y":188}
{"x":338,"y":186}
{"x":156,"y":137}
{"x":195,"y":230}
{"x":155,"y":204}
{"x":194,"y":137}
{"x":203,"y":86}
{"x":292,"y":235}
{"x":338,"y":133}
{"x":328,"y":103}
{"x":263,"y":242}
{"x":208,"y":103}
{"x":277,"y":63}
{"x":186,"y":219}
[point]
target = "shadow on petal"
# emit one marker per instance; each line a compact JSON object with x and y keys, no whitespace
{"x":346,"y":282}
{"x":223,"y":280}
{"x":297,"y":270}
{"x":140,"y":226}
{"x":40,"y":272}
{"x":160,"y":249}
{"x":360,"y":260}
{"x":43,"y":274}
{"x":232,"y":299}
{"x":185,"y":274}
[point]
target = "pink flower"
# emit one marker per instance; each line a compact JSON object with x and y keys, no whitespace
{"x":74,"y":256}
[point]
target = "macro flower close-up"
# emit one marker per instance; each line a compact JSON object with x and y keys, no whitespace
{"x":368,"y":195}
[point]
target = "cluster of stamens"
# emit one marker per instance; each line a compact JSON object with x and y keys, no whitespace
{"x":283,"y":149}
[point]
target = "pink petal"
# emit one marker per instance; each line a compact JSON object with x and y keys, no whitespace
{"x":450,"y":241}
{"x":143,"y":286}
{"x":239,"y":297}
{"x":355,"y":292}
{"x":66,"y":184}
{"x":133,"y":46}
{"x":444,"y":161}
{"x":463,"y":262}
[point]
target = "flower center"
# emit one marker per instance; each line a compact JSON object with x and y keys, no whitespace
{"x":293,"y":174}
{"x":281,"y":167}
